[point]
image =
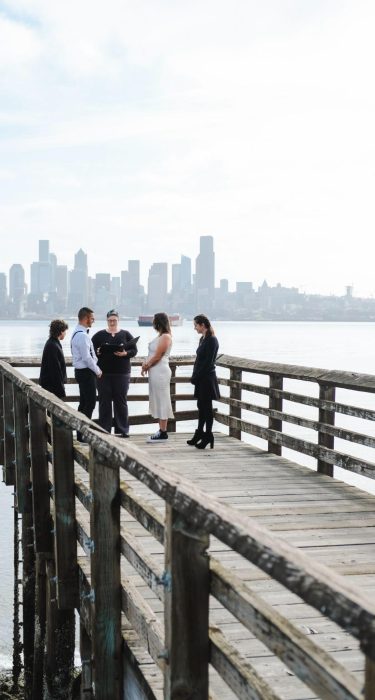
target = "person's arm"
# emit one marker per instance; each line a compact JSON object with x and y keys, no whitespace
{"x":83,"y":343}
{"x":205,"y":359}
{"x":127,"y":353}
{"x":162,"y":346}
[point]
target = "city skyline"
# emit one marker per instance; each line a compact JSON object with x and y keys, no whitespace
{"x":55,"y":289}
{"x":136,"y":127}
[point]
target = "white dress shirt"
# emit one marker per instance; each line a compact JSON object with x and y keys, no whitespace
{"x":83,"y":353}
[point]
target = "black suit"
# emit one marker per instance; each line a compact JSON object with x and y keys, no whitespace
{"x":53,"y":368}
{"x":205,"y":380}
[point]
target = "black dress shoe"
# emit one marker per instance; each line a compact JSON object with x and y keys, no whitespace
{"x":196,"y":437}
{"x":207,"y":438}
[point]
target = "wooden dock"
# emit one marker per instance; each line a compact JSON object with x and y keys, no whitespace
{"x":222,"y":573}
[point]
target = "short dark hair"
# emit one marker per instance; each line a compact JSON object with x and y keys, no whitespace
{"x":113,"y":312}
{"x":161,"y":323}
{"x":57,"y":327}
{"x":204,"y":321}
{"x":84,"y":312}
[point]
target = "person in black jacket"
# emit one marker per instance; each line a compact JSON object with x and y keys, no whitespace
{"x":114,"y":383}
{"x":53,"y":368}
{"x":205,"y":381}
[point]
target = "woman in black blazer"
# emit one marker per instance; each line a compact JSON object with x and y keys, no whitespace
{"x":205,"y":381}
{"x":53,"y":368}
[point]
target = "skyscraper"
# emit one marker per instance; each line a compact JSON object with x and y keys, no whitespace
{"x":16,"y":283}
{"x":157,"y":287}
{"x":44,"y":251}
{"x":205,"y":274}
{"x":78,"y":282}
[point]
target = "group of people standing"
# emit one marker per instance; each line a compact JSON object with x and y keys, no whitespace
{"x":102,"y":363}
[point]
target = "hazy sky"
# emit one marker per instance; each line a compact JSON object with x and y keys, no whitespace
{"x":131,"y":128}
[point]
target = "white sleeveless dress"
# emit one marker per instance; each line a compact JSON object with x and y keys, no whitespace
{"x":159,"y":380}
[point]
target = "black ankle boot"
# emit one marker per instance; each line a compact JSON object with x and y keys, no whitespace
{"x":197,"y":436}
{"x":207,"y":438}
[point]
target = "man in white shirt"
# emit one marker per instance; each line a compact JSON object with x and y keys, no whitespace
{"x":85,"y":362}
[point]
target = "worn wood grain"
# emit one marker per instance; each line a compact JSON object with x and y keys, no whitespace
{"x":106,"y":583}
{"x":65,"y":536}
{"x":22,"y":460}
{"x":187,"y":588}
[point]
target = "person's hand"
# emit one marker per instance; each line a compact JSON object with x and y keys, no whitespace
{"x":98,"y":351}
{"x":100,"y":375}
{"x":144,"y":369}
{"x":120,"y":353}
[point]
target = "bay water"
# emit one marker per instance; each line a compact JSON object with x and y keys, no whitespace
{"x":340,"y":346}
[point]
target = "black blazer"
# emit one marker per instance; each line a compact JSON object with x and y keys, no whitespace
{"x":204,"y":374}
{"x":53,"y":368}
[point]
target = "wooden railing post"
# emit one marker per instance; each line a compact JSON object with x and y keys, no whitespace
{"x":235,"y":393}
{"x":369,"y":679}
{"x":9,"y":453}
{"x":22,"y":460}
{"x":187,"y":585}
{"x":105,"y":578}
{"x":172,"y":422}
{"x":62,"y":584}
{"x":327,"y":392}
{"x":275,"y":403}
{"x":64,"y":515}
{"x":42,"y":535}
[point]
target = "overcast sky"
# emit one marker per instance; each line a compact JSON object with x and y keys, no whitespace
{"x":132,"y":128}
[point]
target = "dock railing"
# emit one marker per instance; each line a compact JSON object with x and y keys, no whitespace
{"x":74,"y":545}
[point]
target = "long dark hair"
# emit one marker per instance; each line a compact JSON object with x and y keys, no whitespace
{"x":203,"y":320}
{"x":161,"y":323}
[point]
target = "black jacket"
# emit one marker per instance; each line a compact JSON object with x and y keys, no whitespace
{"x":108,"y":362}
{"x":204,"y":375}
{"x":53,"y":368}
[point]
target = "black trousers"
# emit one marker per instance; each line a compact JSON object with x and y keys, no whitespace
{"x":206,"y":414}
{"x":86,"y":379}
{"x":113,"y":389}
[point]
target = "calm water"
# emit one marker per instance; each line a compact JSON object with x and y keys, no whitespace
{"x":346,"y":346}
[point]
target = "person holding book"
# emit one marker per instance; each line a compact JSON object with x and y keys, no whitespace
{"x":114,"y":347}
{"x":53,"y":367}
{"x":206,"y":387}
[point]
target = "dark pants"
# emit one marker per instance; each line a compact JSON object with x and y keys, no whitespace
{"x":87,"y":392}
{"x":113,"y":388}
{"x":206,"y":414}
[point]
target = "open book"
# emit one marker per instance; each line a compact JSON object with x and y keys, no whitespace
{"x":114,"y":347}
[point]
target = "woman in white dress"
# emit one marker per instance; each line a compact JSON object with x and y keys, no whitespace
{"x":159,"y":376}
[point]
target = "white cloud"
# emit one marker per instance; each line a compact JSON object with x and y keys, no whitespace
{"x":252,"y":122}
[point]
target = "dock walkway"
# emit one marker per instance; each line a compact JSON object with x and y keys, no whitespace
{"x":214,"y":574}
{"x":329,"y":520}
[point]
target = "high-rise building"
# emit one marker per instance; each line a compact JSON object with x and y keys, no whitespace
{"x":205,"y":274}
{"x":62,"y":284}
{"x":131,"y":291}
{"x":78,"y":282}
{"x":16,"y":283}
{"x":185,"y":266}
{"x":102,"y":292}
{"x":157,"y":287}
{"x":44,"y":251}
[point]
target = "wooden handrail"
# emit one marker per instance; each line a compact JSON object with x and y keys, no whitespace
{"x":100,"y":593}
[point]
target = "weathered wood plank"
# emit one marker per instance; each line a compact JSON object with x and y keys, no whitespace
{"x":145,"y":513}
{"x":326,"y":393}
{"x":240,"y":676}
{"x":187,"y":588}
{"x":65,"y":536}
{"x":275,"y":404}
{"x":310,"y":663}
{"x":2,"y":430}
{"x":28,"y":596}
{"x":60,"y":642}
{"x":235,"y":393}
{"x":40,"y":626}
{"x":9,"y":434}
{"x":369,"y":689}
{"x":22,"y":451}
{"x":40,"y":479}
{"x":105,"y":576}
{"x":353,"y":464}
